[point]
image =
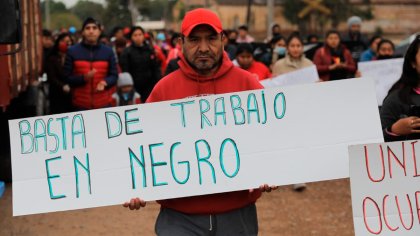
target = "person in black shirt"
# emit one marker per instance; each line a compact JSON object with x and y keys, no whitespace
{"x":400,"y":111}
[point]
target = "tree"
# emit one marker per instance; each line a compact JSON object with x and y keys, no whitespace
{"x":116,"y":14}
{"x":84,"y":9}
{"x":316,"y":21}
{"x":155,"y":9}
{"x":55,"y":7}
{"x":65,"y":20}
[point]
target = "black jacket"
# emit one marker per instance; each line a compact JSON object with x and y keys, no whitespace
{"x":142,"y":64}
{"x":393,"y":109}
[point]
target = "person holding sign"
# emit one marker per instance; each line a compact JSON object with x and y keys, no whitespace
{"x":400,"y":111}
{"x":334,"y":61}
{"x":205,"y":69}
{"x":91,"y":69}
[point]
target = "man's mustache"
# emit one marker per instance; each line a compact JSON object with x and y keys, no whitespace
{"x":207,"y":54}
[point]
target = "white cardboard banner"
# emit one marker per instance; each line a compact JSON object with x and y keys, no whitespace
{"x":384,"y":72}
{"x":385,"y":188}
{"x":196,"y":146}
{"x":306,"y":75}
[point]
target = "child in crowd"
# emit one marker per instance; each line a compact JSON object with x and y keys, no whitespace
{"x":245,"y":60}
{"x":126,"y":94}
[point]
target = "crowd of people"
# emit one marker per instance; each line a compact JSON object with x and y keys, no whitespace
{"x":89,"y":70}
{"x":82,"y":67}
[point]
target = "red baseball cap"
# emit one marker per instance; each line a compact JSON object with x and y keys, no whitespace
{"x":200,"y":16}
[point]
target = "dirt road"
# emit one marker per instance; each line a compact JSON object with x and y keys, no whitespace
{"x":323,"y":209}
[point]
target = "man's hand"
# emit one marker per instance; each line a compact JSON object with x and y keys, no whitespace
{"x":66,"y":88}
{"x":135,"y":204}
{"x":265,"y":188}
{"x":333,"y":67}
{"x":101,"y":86}
{"x":342,"y":65}
{"x":90,"y":75}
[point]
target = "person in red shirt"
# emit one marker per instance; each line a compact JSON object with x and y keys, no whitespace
{"x":334,"y":61}
{"x":204,"y":68}
{"x":246,"y":61}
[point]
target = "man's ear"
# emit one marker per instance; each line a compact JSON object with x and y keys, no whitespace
{"x":180,"y":40}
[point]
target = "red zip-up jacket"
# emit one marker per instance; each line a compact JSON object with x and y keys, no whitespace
{"x":185,"y":82}
{"x":80,"y":59}
{"x":323,"y":60}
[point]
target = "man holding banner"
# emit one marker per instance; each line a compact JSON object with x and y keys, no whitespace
{"x":205,"y":69}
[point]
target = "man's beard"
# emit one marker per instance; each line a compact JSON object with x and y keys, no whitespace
{"x":202,"y":68}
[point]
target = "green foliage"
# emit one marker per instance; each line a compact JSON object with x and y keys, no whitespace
{"x":155,"y":9}
{"x":65,"y":20}
{"x":291,"y":9}
{"x":55,"y":7}
{"x":116,"y":14}
{"x":84,"y":9}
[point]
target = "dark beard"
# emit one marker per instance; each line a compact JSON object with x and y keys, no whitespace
{"x":207,"y":70}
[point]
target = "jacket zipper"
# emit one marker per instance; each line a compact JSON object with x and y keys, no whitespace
{"x":91,"y":80}
{"x":211,"y":224}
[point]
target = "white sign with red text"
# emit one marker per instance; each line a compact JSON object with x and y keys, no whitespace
{"x":385,"y":188}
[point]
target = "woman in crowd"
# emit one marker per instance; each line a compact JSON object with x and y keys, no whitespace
{"x":139,"y":59}
{"x":245,"y":60}
{"x":370,"y":53}
{"x":275,"y":32}
{"x":400,"y":111}
{"x":278,"y":46}
{"x":333,"y":61}
{"x":295,"y":59}
{"x":60,"y":98}
{"x":386,"y":49}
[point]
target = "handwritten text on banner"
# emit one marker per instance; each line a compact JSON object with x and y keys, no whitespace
{"x":190,"y":147}
{"x":385,"y":185}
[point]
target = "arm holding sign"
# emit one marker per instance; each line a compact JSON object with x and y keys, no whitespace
{"x":265,"y":188}
{"x":398,"y":120}
{"x":349,"y":65}
{"x":322,"y":64}
{"x":137,"y":203}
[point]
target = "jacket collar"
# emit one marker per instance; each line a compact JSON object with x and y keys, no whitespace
{"x":224,"y":68}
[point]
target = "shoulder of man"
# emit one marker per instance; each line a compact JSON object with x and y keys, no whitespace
{"x":165,"y":84}
{"x":106,"y":48}
{"x":244,"y":77}
{"x":74,"y":48}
